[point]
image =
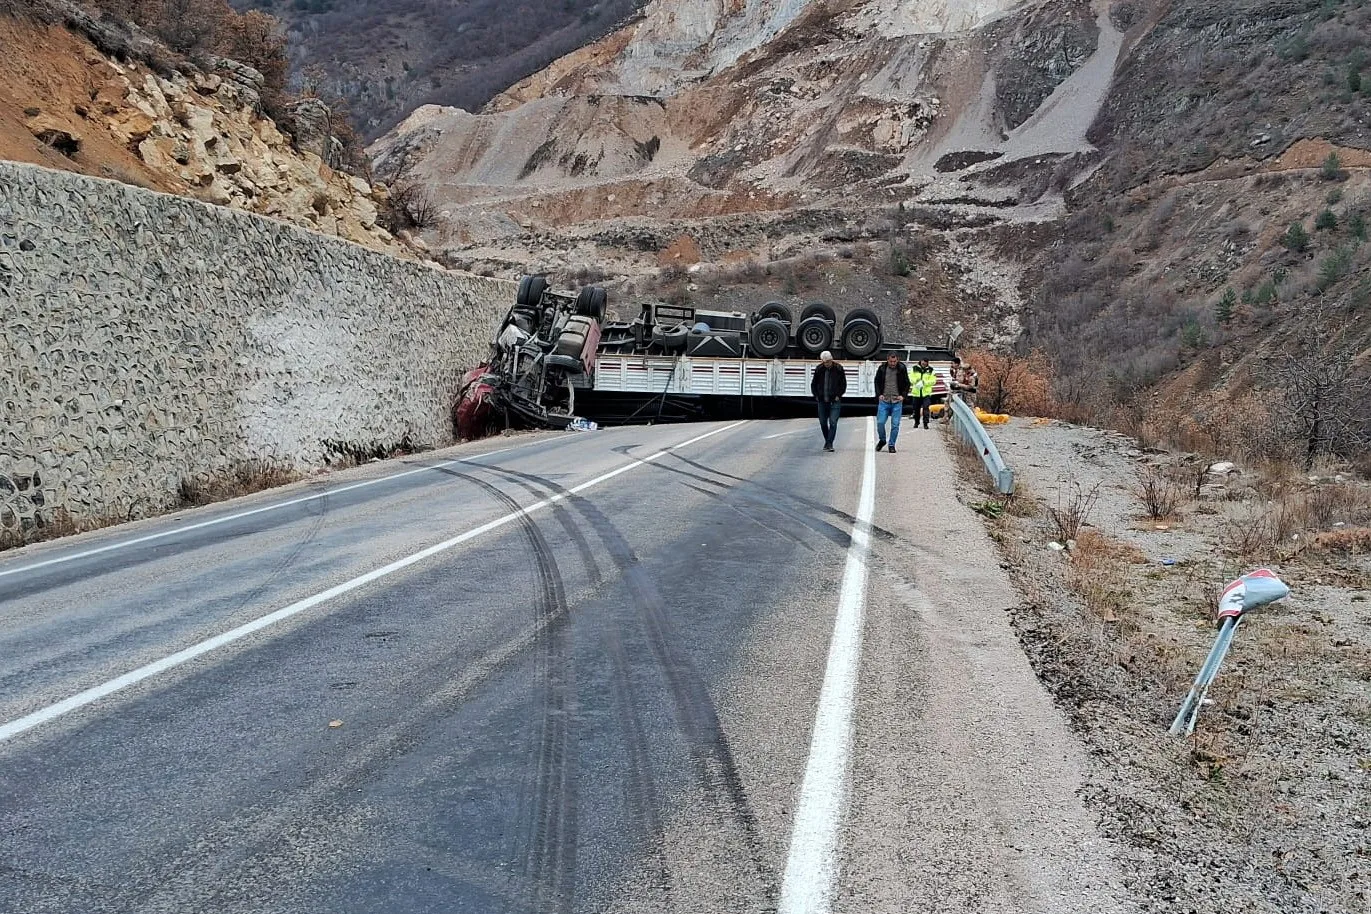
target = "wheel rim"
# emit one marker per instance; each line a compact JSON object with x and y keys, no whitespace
{"x":814,"y":337}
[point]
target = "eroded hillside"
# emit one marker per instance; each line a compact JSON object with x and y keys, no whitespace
{"x":187,"y":129}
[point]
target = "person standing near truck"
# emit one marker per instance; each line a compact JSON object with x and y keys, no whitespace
{"x":828,"y":386}
{"x":922,"y":378}
{"x":892,"y":386}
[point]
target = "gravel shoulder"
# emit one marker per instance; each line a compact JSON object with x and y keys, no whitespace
{"x":1266,"y":808}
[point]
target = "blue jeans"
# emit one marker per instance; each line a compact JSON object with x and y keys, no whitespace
{"x":828,"y":420}
{"x":891,"y":411}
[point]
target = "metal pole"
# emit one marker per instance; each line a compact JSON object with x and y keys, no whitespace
{"x":1190,"y":708}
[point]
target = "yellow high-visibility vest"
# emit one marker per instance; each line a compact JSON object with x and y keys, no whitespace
{"x":921,"y":382}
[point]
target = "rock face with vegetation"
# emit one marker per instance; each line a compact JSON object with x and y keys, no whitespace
{"x":384,"y":58}
{"x":141,"y":112}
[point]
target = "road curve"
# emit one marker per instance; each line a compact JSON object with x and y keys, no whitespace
{"x":702,"y":668}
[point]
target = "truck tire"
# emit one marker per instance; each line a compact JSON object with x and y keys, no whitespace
{"x":590,"y":302}
{"x":815,"y":334}
{"x":820,"y":309}
{"x":777,"y":310}
{"x":861,"y":337}
{"x":675,"y":337}
{"x":862,"y":314}
{"x":769,"y":337}
{"x":531,"y":289}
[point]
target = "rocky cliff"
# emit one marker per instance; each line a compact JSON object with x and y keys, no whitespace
{"x":192,"y":130}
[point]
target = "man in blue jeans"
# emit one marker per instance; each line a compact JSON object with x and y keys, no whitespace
{"x":828,"y":386}
{"x":892,"y":386}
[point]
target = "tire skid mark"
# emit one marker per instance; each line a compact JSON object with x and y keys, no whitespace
{"x":249,"y":841}
{"x":550,"y":820}
{"x":641,"y":786}
{"x":716,"y":766}
{"x":849,"y":519}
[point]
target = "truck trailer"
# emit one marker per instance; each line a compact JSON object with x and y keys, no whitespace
{"x":555,"y":360}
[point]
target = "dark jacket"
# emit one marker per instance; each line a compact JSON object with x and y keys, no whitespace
{"x":901,"y":379}
{"x":829,"y":383}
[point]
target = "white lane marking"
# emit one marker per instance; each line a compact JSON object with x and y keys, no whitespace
{"x":95,"y":693}
{"x":811,"y":869}
{"x":85,"y":553}
{"x":794,"y":431}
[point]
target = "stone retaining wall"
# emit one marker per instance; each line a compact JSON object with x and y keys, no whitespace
{"x":150,"y":339}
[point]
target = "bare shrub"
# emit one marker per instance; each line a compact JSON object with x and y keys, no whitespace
{"x":1012,"y":382}
{"x":1159,"y":493}
{"x":1070,"y":515}
{"x":409,"y":208}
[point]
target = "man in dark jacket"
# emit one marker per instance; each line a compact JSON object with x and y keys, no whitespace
{"x":892,"y":386}
{"x":828,"y":386}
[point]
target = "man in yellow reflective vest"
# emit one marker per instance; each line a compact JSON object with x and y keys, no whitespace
{"x":921,"y":381}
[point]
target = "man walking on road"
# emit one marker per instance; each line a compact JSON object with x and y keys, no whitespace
{"x":921,"y":381}
{"x":892,"y":385}
{"x":828,"y":386}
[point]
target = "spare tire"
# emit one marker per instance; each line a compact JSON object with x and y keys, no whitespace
{"x":861,"y":337}
{"x":531,"y":289}
{"x":820,"y":309}
{"x":590,"y":302}
{"x":862,"y":314}
{"x":815,"y":334}
{"x":769,"y":336}
{"x":777,"y":310}
{"x":675,"y":337}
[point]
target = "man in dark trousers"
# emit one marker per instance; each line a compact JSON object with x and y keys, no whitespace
{"x":892,"y":386}
{"x":828,"y":386}
{"x":921,"y":381}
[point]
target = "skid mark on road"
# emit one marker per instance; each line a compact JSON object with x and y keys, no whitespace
{"x":697,"y":718}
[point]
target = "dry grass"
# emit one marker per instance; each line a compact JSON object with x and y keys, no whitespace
{"x":1298,"y":517}
{"x":241,"y":479}
{"x":1348,"y":541}
{"x":1099,"y":574}
{"x":53,"y":525}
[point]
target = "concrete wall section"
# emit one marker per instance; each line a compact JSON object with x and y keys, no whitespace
{"x":149,"y":339}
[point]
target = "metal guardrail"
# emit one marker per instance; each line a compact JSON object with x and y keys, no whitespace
{"x":970,"y":430}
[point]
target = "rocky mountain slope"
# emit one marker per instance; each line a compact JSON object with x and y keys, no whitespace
{"x":187,"y":129}
{"x":1089,"y":176}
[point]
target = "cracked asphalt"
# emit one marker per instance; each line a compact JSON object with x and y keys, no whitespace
{"x":604,"y":704}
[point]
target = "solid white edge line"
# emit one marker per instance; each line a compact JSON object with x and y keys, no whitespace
{"x":95,"y":693}
{"x":86,"y":553}
{"x":811,"y":870}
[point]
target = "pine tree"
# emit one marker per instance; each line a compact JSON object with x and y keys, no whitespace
{"x":1223,"y":311}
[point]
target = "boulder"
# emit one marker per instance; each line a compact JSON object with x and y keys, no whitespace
{"x":310,"y":118}
{"x":55,"y":132}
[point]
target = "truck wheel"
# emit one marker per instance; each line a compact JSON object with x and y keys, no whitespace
{"x":590,"y":302}
{"x":820,"y":309}
{"x":531,"y":289}
{"x":777,"y":310}
{"x":860,"y":337}
{"x":815,"y":334}
{"x":862,"y":314}
{"x":568,"y":363}
{"x":769,"y":337}
{"x":675,"y":337}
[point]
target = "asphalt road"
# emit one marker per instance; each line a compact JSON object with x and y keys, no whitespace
{"x":701,"y":668}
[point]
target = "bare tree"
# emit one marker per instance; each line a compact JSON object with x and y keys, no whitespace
{"x":1327,"y":394}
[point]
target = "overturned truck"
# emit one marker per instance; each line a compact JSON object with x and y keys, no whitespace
{"x":556,"y":361}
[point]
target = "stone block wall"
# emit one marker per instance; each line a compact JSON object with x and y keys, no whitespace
{"x":150,"y":339}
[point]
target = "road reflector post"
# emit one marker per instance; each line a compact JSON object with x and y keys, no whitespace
{"x":1254,"y":589}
